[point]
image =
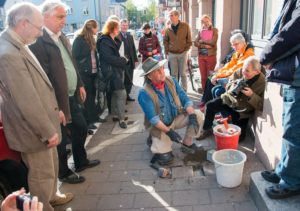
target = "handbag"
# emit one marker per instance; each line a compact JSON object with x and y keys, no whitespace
{"x":101,"y":82}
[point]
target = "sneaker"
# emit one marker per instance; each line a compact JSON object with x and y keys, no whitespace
{"x":205,"y":134}
{"x":62,"y":199}
{"x":280,"y":192}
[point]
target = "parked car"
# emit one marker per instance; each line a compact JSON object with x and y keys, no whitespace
{"x":71,"y":37}
{"x":139,"y":33}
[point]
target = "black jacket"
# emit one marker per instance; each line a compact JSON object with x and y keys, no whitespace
{"x":110,"y":61}
{"x":49,"y":56}
{"x":82,"y":54}
{"x":130,"y":50}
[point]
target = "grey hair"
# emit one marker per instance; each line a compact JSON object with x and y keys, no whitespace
{"x":254,"y":62}
{"x":124,"y":21}
{"x":49,"y":6}
{"x":237,"y":38}
{"x":20,"y":11}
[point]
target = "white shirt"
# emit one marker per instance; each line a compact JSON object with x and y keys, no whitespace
{"x":55,"y":37}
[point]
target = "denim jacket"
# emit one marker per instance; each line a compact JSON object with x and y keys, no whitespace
{"x":167,"y":104}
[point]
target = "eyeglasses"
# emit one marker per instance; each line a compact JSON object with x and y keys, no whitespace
{"x":37,"y":27}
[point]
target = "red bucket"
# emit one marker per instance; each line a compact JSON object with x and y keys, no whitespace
{"x":225,"y":140}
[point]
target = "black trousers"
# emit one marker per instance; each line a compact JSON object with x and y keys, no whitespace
{"x":15,"y":173}
{"x":215,"y":106}
{"x":207,"y":95}
{"x":128,"y":78}
{"x":76,"y":131}
{"x":90,"y":110}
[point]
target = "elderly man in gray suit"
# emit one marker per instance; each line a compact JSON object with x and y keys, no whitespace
{"x":29,"y":109}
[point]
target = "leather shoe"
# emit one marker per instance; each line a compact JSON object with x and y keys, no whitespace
{"x":130,"y":99}
{"x":62,"y":199}
{"x":92,"y":127}
{"x":270,"y":176}
{"x":73,"y":179}
{"x":90,"y":164}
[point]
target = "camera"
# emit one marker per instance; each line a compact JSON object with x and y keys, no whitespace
{"x":239,"y":85}
{"x":21,"y":199}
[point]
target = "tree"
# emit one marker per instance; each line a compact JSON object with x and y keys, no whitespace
{"x":132,"y":11}
{"x":150,"y":11}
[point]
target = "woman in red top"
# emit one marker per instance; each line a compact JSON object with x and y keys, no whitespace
{"x":206,"y":42}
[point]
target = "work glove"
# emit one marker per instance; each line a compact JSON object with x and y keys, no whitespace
{"x":193,"y":125}
{"x":174,"y":136}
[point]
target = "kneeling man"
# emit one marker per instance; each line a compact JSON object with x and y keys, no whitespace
{"x":166,"y":107}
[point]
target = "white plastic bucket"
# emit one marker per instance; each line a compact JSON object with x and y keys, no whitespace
{"x":229,"y":164}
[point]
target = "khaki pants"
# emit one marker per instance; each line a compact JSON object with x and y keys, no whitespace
{"x":42,"y":175}
{"x":178,"y":64}
{"x":161,"y":143}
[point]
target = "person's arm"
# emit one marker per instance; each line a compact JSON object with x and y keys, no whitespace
{"x":166,"y":42}
{"x":184,"y":99}
{"x":107,"y":54}
{"x":135,"y":59}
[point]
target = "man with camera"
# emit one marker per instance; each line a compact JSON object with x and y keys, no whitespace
{"x":243,"y":95}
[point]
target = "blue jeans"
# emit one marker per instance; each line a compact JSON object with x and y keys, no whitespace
{"x":288,"y":167}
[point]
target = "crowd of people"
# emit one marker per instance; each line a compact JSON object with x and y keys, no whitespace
{"x":49,"y":90}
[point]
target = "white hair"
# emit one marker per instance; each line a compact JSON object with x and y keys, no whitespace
{"x":50,"y":5}
{"x":253,"y":61}
{"x":20,"y":11}
{"x":237,"y":38}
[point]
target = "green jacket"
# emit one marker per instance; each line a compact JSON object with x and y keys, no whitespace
{"x":247,"y":105}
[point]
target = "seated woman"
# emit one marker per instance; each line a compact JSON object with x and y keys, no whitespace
{"x":242,"y":52}
{"x":244,"y":95}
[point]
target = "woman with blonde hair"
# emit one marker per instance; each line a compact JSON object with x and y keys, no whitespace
{"x":206,"y":42}
{"x":85,"y":54}
{"x":113,"y":67}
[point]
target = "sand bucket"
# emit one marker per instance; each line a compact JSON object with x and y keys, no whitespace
{"x":229,"y":164}
{"x":225,"y":140}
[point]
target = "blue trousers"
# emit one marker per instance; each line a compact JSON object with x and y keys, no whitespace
{"x":288,"y":167}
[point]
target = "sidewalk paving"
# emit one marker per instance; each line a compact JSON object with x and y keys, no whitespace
{"x":124,"y":180}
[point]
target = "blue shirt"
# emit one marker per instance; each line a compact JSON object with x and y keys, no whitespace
{"x":166,"y":102}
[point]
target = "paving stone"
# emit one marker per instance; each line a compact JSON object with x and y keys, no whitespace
{"x":92,"y":176}
{"x":245,"y":206}
{"x":204,"y":182}
{"x":112,"y":165}
{"x":79,"y":189}
{"x":172,"y":184}
{"x":104,"y":188}
{"x":185,"y":208}
{"x":137,"y":164}
{"x":119,"y":148}
{"x":182,"y":172}
{"x":141,"y":209}
{"x":120,"y":176}
{"x":87,"y":202}
{"x":190,"y":197}
{"x":152,"y":199}
{"x":137,"y":186}
{"x":116,"y":201}
{"x":106,"y":156}
{"x":215,"y":207}
{"x":223,"y":195}
{"x":129,"y":156}
{"x":149,"y":174}
{"x":140,"y":147}
{"x":208,"y":169}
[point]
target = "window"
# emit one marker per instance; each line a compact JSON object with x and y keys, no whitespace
{"x":258,"y":18}
{"x":86,"y":11}
{"x":69,"y":11}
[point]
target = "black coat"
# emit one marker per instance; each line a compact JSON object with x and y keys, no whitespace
{"x":82,"y":54}
{"x":129,"y":48}
{"x":110,"y":60}
{"x":49,"y":56}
